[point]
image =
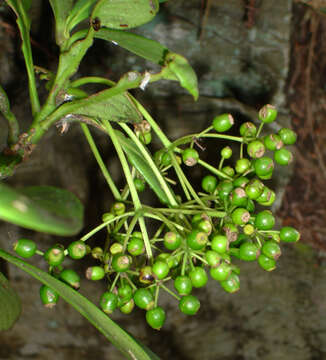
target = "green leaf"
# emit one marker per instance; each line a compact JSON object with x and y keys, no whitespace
{"x":125,"y":14}
{"x":81,"y":11}
{"x":9,"y":304}
{"x":146,"y":48}
{"x":42,"y":208}
{"x":141,"y":165}
{"x":117,"y":108}
{"x":130,"y":347}
{"x":178,"y":68}
{"x":61,"y":10}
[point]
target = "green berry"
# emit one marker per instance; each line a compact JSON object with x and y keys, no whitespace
{"x":160,"y":269}
{"x":220,"y":244}
{"x":226,"y":152}
{"x":266,"y":262}
{"x":198,"y":277}
{"x":97,"y":252}
{"x":213,"y":258}
{"x":155,"y":318}
{"x":190,"y":156}
{"x":166,"y":159}
{"x":266,"y":197}
{"x":77,"y":249}
{"x":127,"y":307}
{"x":144,"y":299}
{"x":183,"y":285}
{"x":116,"y":248}
{"x":118,"y":208}
{"x":172,"y":240}
{"x":256,"y":149}
{"x":223,"y":122}
{"x":273,"y":142}
{"x":224,"y":189}
{"x":25,"y":248}
{"x":239,"y":197}
{"x":289,"y":234}
{"x":70,"y":277}
{"x":221,"y":272}
{"x":288,"y":136}
{"x":145,"y":137}
{"x":267,"y":113}
{"x":55,"y":255}
{"x":146,"y":275}
{"x":249,"y":251}
{"x":264,"y":166}
{"x":136,"y":246}
{"x":95,"y":273}
{"x":197,"y":239}
{"x":240,"y":182}
{"x":254,"y":189}
{"x":121,"y":262}
{"x":209,"y":183}
{"x":107,"y":217}
{"x":240,"y":216}
{"x":242,"y":165}
{"x":271,"y":249}
{"x":283,"y":156}
{"x":265,"y":220}
{"x":189,"y":304}
{"x":248,"y":229}
{"x":108,"y":302}
{"x":248,"y":129}
{"x":205,"y":226}
{"x":49,"y":297}
{"x":139,"y":184}
{"x":231,"y":284}
{"x":125,"y":292}
{"x":228,"y":170}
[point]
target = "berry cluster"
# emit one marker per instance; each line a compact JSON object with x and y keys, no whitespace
{"x":202,"y":234}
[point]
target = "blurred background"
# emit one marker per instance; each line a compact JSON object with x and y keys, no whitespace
{"x":246,"y":53}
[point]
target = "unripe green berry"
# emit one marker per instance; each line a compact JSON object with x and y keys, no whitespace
{"x":118,"y":208}
{"x":209,"y":183}
{"x":77,"y":249}
{"x":221,"y":272}
{"x":265,"y":220}
{"x":254,"y":189}
{"x":107,"y":217}
{"x":108,"y":302}
{"x":70,"y":277}
{"x":213,"y":258}
{"x":267,"y":113}
{"x":283,"y":156}
{"x":249,"y":251}
{"x":25,"y":248}
{"x":240,"y":182}
{"x":264,"y":166}
{"x":160,"y":269}
{"x":220,"y":244}
{"x":256,"y":149}
{"x":116,"y":248}
{"x":172,"y":240}
{"x":189,"y":304}
{"x":224,"y":189}
{"x":266,"y":262}
{"x":198,"y":277}
{"x":231,"y":284}
{"x":97,"y":252}
{"x":49,"y":297}
{"x":228,"y":170}
{"x":55,"y":255}
{"x":289,"y":234}
{"x":144,"y":299}
{"x":288,"y":136}
{"x":239,"y":197}
{"x":183,"y":285}
{"x":271,"y":249}
{"x":226,"y":152}
{"x":136,"y":246}
{"x":242,"y":165}
{"x":240,"y":216}
{"x":197,"y":239}
{"x":121,"y":262}
{"x":273,"y":142}
{"x":248,"y":229}
{"x":190,"y":156}
{"x":266,"y":196}
{"x":125,"y":292}
{"x":139,"y":184}
{"x":95,"y":273}
{"x":205,"y":226}
{"x":127,"y":307}
{"x":248,"y":129}
{"x":155,"y":318}
{"x":223,"y":122}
